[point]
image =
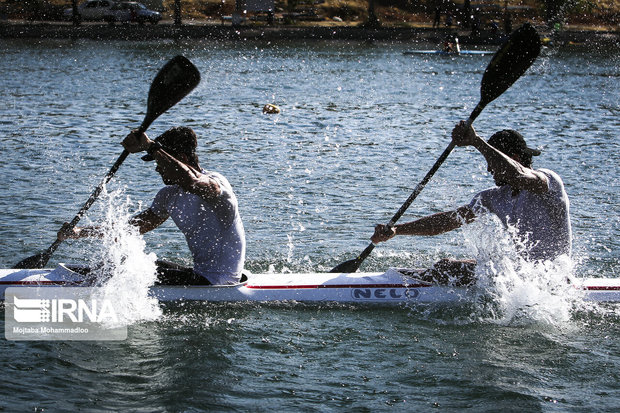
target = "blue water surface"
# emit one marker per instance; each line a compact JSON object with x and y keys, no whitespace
{"x":361,"y":124}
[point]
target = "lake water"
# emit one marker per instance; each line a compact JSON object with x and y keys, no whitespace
{"x":360,"y":126}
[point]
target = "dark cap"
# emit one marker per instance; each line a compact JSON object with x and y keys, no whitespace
{"x":176,"y":141}
{"x":511,"y":142}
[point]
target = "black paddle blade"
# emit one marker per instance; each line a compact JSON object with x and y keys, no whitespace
{"x":174,"y":81}
{"x":36,"y":261}
{"x":354,"y":264}
{"x":510,"y":62}
{"x":347,"y":266}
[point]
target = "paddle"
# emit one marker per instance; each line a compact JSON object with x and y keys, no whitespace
{"x":172,"y":83}
{"x":510,"y":61}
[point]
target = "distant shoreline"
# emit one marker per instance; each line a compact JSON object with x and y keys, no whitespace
{"x":102,"y":31}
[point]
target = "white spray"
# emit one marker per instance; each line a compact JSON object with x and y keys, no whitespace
{"x":513,"y":290}
{"x":123,"y":267}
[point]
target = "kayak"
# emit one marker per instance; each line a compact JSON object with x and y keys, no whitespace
{"x":445,"y":53}
{"x":394,"y":286}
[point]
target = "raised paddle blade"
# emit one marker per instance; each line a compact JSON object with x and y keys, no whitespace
{"x":174,"y":81}
{"x":510,"y":61}
{"x":508,"y":64}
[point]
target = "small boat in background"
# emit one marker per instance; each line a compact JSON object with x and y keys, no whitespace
{"x":450,"y":47}
{"x":446,"y":53}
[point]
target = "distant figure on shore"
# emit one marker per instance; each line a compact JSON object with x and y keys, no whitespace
{"x":466,"y":13}
{"x":449,"y":18}
{"x":475,"y":24}
{"x":437,"y":21}
{"x":507,"y":23}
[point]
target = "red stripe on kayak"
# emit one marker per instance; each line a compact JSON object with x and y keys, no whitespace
{"x":45,"y":282}
{"x":603,"y":288}
{"x":254,"y":287}
{"x":308,"y":287}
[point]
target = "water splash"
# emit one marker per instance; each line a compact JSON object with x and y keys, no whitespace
{"x":512,"y":290}
{"x":122,"y":267}
{"x":290,"y":248}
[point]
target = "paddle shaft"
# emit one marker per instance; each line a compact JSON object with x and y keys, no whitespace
{"x":91,"y":200}
{"x":44,"y":257}
{"x":419,"y":187}
{"x":174,"y":81}
{"x":93,"y":197}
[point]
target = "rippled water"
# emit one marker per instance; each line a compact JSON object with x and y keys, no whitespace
{"x":360,"y":126}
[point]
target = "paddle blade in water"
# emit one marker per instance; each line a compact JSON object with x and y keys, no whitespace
{"x":36,"y":261}
{"x":347,"y":266}
{"x":510,"y":62}
{"x":174,"y":81}
{"x":354,"y":264}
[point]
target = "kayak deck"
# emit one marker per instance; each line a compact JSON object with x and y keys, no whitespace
{"x":390,"y":287}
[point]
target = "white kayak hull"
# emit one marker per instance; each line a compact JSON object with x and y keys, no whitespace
{"x":390,"y":287}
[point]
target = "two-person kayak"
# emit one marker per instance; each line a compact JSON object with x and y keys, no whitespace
{"x":394,"y":286}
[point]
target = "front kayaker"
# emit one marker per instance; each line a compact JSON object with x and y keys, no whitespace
{"x":201,"y":203}
{"x":531,"y":201}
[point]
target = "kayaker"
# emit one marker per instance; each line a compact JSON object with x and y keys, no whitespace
{"x":201,"y":203}
{"x":451,"y":45}
{"x":532,"y":201}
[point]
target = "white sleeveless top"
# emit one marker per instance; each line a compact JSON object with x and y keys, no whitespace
{"x":542,"y":220}
{"x":213,"y":229}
